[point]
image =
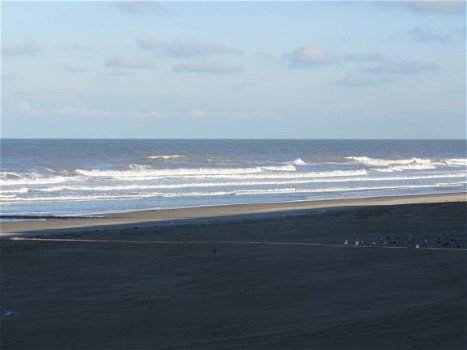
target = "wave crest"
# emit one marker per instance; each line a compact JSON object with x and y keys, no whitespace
{"x":298,"y":161}
{"x":169,"y":157}
{"x":408,"y":164}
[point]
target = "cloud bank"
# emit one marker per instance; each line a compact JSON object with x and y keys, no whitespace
{"x":209,"y":67}
{"x":16,"y":49}
{"x":427,"y":34}
{"x":309,"y":56}
{"x":126,"y":62}
{"x":436,"y":7}
{"x":82,"y":111}
{"x":197,"y":113}
{"x":25,"y":107}
{"x":364,"y":57}
{"x":73,"y":69}
{"x":184,"y":48}
{"x":408,"y":68}
{"x":138,"y":7}
{"x":359,"y":81}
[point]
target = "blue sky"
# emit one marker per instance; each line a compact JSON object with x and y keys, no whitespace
{"x":233,"y":69}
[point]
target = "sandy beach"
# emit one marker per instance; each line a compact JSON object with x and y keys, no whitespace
{"x":201,"y":215}
{"x":266,"y":276}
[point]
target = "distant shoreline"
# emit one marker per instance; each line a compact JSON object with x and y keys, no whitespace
{"x":204,"y":214}
{"x":234,"y":139}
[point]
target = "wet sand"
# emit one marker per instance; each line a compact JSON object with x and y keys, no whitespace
{"x":277,"y":279}
{"x":226,"y":213}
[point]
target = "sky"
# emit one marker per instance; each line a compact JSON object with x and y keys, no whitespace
{"x":235,"y":69}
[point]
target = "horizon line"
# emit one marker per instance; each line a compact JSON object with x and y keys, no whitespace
{"x":233,"y":139}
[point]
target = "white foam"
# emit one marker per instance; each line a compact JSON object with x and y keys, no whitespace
{"x":298,"y":161}
{"x":409,"y":164}
{"x":388,"y":162}
{"x":146,"y":175}
{"x":278,"y":168}
{"x":384,"y":170}
{"x":10,"y":174}
{"x":216,"y":173}
{"x":39,"y":180}
{"x":2,"y":196}
{"x":16,"y":190}
{"x":149,"y":173}
{"x":456,"y":162}
{"x":392,"y":169}
{"x":289,"y":190}
{"x":168,"y":157}
{"x":243,"y":182}
{"x":158,"y":175}
{"x":79,"y":198}
{"x":138,"y":167}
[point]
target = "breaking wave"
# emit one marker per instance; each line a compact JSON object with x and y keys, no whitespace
{"x":240,"y":192}
{"x":408,"y":164}
{"x":298,"y":161}
{"x":244,"y":183}
{"x":31,"y":179}
{"x":169,"y":157}
{"x":143,"y":171}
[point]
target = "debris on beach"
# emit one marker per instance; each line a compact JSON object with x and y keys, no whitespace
{"x":11,"y":313}
{"x":445,"y":239}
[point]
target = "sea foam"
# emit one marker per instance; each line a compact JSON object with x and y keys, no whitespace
{"x":239,"y":192}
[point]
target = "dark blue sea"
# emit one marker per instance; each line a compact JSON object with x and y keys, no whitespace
{"x":81,"y":177}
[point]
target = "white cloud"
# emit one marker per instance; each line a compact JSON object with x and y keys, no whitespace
{"x":8,"y":76}
{"x":190,"y":48}
{"x":364,"y":57}
{"x":25,"y":107}
{"x":209,"y":67}
{"x":73,"y":111}
{"x":83,"y":111}
{"x":135,"y":7}
{"x":460,"y":30}
{"x":277,"y":116}
{"x":15,"y":49}
{"x":73,"y":46}
{"x":126,"y":62}
{"x":240,"y":115}
{"x":73,"y":69}
{"x":94,"y":112}
{"x":243,"y":85}
{"x":150,"y":114}
{"x":428,"y":34}
{"x":428,"y":6}
{"x":403,"y":68}
{"x":185,"y":48}
{"x":359,"y":81}
{"x":197,"y":113}
{"x":309,"y":56}
{"x":149,"y":42}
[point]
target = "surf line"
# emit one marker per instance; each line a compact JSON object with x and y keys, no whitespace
{"x":70,"y":240}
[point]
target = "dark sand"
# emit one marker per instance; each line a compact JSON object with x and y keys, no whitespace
{"x":127,"y":291}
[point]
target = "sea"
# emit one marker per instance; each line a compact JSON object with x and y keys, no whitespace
{"x":53,"y":177}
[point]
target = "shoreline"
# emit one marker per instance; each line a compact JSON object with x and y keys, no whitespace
{"x":208,"y":214}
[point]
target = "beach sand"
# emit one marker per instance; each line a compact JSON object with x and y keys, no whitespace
{"x":222,"y":279}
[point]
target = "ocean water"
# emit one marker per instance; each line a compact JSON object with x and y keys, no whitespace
{"x":83,"y":177}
